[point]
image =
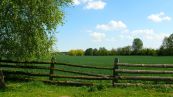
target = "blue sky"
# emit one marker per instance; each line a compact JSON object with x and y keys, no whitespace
{"x":114,"y":23}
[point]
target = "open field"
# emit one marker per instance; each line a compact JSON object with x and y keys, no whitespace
{"x":108,"y":60}
{"x":38,"y":89}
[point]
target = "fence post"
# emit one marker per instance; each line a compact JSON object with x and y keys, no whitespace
{"x":2,"y":83}
{"x":116,"y":60}
{"x":52,"y":65}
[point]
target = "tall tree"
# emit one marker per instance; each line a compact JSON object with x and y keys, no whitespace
{"x":102,"y":51}
{"x":27,"y":27}
{"x":95,"y":52}
{"x":167,"y":46}
{"x":113,"y":52}
{"x":89,"y":52}
{"x":137,"y":44}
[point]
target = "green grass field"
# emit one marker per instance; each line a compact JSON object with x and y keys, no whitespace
{"x":108,"y":60}
{"x":38,"y":89}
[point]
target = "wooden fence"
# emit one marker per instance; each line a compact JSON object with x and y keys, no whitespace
{"x":117,"y":76}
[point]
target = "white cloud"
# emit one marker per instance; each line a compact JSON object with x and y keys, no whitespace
{"x":125,"y":36}
{"x":112,"y":25}
{"x":160,"y":17}
{"x":150,"y":37}
{"x":76,"y":2}
{"x":148,"y":34}
{"x":97,"y":5}
{"x":111,"y":39}
{"x":97,"y":36}
{"x":91,"y":4}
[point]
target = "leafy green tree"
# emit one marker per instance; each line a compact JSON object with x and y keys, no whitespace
{"x":102,"y":51}
{"x":89,"y":52}
{"x":124,"y":50}
{"x":137,"y":45}
{"x":72,"y":53}
{"x":95,"y":52}
{"x":77,"y":52}
{"x":127,"y":50}
{"x":167,"y":46}
{"x":113,"y":52}
{"x":165,"y":43}
{"x":27,"y":27}
{"x":148,"y":52}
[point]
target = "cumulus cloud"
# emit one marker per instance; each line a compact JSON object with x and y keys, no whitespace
{"x":106,"y":33}
{"x":91,"y":4}
{"x":160,"y":17}
{"x":97,"y":36}
{"x":148,"y":34}
{"x":150,"y":37}
{"x":97,"y":5}
{"x":76,"y":2}
{"x":112,"y":25}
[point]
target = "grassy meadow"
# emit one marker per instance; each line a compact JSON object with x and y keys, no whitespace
{"x":108,"y":60}
{"x":38,"y":89}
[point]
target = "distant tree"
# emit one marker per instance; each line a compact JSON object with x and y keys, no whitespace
{"x":127,"y":50}
{"x":102,"y":51}
{"x":165,"y":43}
{"x":89,"y":52}
{"x":137,"y":45}
{"x":124,"y":50}
{"x":72,"y":53}
{"x":119,"y":51}
{"x":167,"y":46}
{"x":113,"y":52}
{"x":95,"y":52}
{"x":77,"y":52}
{"x":148,"y":52}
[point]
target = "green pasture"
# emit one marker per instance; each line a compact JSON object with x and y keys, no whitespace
{"x":38,"y":89}
{"x":104,"y":61}
{"x":108,"y":60}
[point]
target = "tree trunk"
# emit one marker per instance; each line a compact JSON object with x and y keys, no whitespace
{"x":2,"y":83}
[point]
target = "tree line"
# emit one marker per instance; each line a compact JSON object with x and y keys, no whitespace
{"x":166,"y":49}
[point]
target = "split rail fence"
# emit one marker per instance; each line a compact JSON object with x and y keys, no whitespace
{"x":117,"y":77}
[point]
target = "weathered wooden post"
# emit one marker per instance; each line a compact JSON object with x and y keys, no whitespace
{"x":52,"y":65}
{"x":115,"y":74}
{"x":2,"y":83}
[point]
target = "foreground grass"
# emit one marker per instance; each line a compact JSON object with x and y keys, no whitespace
{"x":38,"y":89}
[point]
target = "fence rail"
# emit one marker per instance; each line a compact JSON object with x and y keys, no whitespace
{"x":146,"y":65}
{"x":59,"y":63}
{"x":116,"y":77}
{"x":143,"y":71}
